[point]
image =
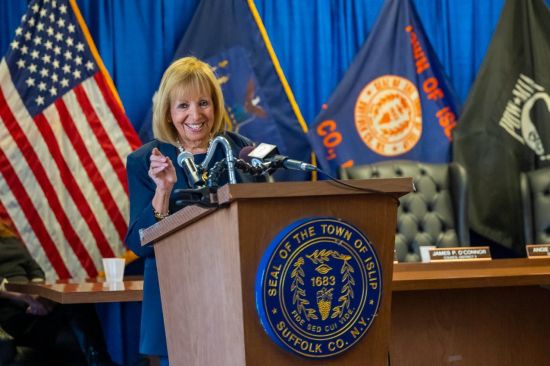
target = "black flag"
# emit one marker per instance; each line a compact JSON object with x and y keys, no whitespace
{"x":505,"y":125}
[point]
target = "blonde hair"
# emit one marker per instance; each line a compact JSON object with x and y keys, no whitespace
{"x":185,"y":73}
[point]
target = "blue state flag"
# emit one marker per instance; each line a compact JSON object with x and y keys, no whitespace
{"x":394,"y":102}
{"x":229,"y":35}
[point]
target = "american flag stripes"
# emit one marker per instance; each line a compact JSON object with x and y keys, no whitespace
{"x":64,"y":139}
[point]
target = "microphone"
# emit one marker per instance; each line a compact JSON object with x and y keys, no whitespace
{"x":244,"y":163}
{"x":245,"y":151}
{"x":266,"y":157}
{"x":280,"y":160}
{"x":186,"y":162}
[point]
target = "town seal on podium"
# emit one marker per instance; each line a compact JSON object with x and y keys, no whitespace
{"x":318,"y":287}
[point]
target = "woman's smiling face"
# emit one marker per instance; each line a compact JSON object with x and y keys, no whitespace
{"x":192,"y":113}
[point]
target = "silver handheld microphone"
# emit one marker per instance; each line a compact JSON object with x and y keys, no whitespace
{"x":186,"y":162}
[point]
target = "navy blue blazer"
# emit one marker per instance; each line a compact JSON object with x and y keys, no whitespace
{"x":141,"y":191}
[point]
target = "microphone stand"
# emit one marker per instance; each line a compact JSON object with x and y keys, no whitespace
{"x":229,"y":158}
{"x":206,"y":196}
{"x":202,"y":196}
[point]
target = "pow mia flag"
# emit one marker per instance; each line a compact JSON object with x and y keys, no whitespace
{"x":505,"y":125}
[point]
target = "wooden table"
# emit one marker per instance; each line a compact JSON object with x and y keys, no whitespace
{"x":473,"y":274}
{"x":460,"y":313}
{"x":471,"y":313}
{"x":91,"y":291}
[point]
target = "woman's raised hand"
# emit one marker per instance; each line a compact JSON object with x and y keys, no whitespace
{"x":162,"y":171}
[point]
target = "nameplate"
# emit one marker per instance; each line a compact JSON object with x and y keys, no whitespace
{"x":460,"y":254}
{"x":538,"y":250}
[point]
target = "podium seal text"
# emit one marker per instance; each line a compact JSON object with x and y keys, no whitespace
{"x":318,"y":287}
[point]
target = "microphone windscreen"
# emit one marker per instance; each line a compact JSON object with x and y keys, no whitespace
{"x":245,"y":152}
{"x":184,"y":155}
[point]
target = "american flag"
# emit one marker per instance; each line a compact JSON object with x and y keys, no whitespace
{"x":64,"y":139}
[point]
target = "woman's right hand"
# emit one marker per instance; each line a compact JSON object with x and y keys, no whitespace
{"x":38,"y":305}
{"x":162,"y":171}
{"x":35,"y":304}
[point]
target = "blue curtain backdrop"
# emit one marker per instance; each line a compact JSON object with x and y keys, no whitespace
{"x":315,"y":41}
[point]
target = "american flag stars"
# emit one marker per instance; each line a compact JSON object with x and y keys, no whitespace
{"x":57,"y":62}
{"x":65,"y":138}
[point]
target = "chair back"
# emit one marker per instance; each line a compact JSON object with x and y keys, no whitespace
{"x":535,"y":197}
{"x":434,"y":214}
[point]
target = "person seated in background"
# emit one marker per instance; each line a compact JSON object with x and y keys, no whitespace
{"x":62,"y":334}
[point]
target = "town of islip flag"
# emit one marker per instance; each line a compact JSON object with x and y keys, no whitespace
{"x":64,"y":139}
{"x":394,"y":102}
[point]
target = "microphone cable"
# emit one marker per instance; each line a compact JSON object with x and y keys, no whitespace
{"x":335,"y":181}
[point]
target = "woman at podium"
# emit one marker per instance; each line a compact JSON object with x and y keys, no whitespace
{"x":188,"y":112}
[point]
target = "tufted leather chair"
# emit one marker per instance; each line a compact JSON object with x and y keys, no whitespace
{"x":434,"y":214}
{"x":535,"y":196}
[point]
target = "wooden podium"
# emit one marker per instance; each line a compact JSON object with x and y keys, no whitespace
{"x":207,"y":261}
